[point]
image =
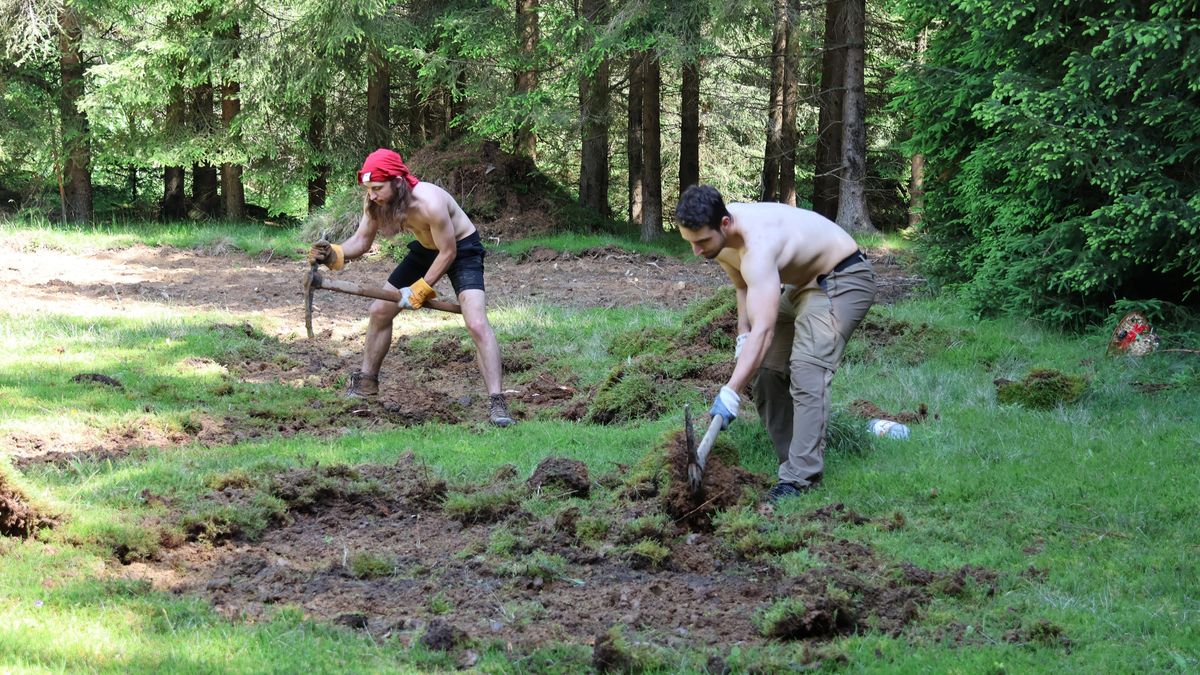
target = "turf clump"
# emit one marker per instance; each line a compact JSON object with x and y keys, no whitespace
{"x":18,"y":517}
{"x":655,"y":363}
{"x":1042,"y":389}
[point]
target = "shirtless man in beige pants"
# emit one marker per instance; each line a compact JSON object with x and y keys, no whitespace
{"x":446,"y":243}
{"x":802,"y":288}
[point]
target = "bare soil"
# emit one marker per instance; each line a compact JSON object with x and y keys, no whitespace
{"x":438,"y":580}
{"x":444,"y":386}
{"x":437,"y":576}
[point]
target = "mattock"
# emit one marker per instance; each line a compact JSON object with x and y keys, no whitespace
{"x":313,"y":280}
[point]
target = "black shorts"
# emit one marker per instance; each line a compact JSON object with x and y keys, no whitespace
{"x":465,"y":273}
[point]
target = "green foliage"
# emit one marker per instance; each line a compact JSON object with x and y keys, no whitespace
{"x":1061,"y":145}
{"x":536,"y":565}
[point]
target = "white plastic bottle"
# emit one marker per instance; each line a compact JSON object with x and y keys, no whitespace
{"x":888,"y":429}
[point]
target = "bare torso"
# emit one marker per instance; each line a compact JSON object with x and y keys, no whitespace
{"x":800,"y":245}
{"x":431,"y":212}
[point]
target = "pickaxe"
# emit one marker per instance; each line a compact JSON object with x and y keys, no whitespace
{"x":313,"y":280}
{"x":698,"y":456}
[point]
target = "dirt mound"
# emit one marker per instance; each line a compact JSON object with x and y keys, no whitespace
{"x":868,"y":410}
{"x":722,"y":486}
{"x":505,"y":195}
{"x":18,"y":518}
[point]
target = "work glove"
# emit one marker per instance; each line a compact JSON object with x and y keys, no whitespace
{"x":414,"y":297}
{"x":328,"y":254}
{"x":726,"y":405}
{"x":737,"y":346}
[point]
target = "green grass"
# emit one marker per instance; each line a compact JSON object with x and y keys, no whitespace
{"x":1097,"y":496}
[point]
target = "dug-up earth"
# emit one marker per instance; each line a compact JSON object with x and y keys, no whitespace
{"x":442,"y":386}
{"x":629,"y":563}
{"x":626,"y":563}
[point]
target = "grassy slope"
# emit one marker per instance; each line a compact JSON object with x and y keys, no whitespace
{"x":1098,"y":495}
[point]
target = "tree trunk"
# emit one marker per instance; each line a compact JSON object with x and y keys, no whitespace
{"x":379,"y":128}
{"x":174,"y":200}
{"x":791,"y":99}
{"x":525,"y":139}
{"x":318,"y":180}
{"x":916,"y":181}
{"x":689,"y":132}
{"x":829,"y":117}
{"x":593,"y":115}
{"x":458,"y":107}
{"x":204,"y":175}
{"x":633,"y":137}
{"x":652,"y":209}
{"x":852,"y":213}
{"x":76,"y":189}
{"x":773,"y":151}
{"x":416,"y":113}
{"x":233,"y":193}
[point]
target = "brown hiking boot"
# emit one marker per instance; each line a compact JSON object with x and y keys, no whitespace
{"x":498,"y":410}
{"x":362,"y":386}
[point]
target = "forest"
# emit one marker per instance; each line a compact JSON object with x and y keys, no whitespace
{"x":1042,"y":154}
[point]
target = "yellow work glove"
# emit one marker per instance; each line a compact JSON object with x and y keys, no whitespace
{"x":330,"y":255}
{"x":415,"y":296}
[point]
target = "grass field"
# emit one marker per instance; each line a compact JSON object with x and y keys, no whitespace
{"x":1085,"y":513}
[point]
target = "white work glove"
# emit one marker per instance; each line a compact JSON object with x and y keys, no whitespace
{"x":726,"y":405}
{"x":737,"y":345}
{"x":405,"y":301}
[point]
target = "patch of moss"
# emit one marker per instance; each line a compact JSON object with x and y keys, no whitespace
{"x":219,"y":522}
{"x":630,"y":393}
{"x":367,"y":565}
{"x":1042,"y":389}
{"x":592,"y":528}
{"x":816,"y":615}
{"x":303,"y":489}
{"x":484,"y":506}
{"x":647,"y":382}
{"x":536,"y":565}
{"x":648,"y":553}
{"x":651,"y":527}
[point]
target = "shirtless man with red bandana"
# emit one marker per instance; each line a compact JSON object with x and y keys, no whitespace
{"x":446,"y":243}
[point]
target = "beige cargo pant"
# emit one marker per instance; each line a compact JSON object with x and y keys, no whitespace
{"x":791,"y":389}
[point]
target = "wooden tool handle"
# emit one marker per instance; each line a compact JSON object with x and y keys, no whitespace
{"x":380,"y":293}
{"x":710,"y":437}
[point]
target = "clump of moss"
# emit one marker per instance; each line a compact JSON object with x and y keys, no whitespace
{"x":536,"y":565}
{"x":367,"y":565}
{"x":652,"y":527}
{"x":484,"y":506}
{"x":648,"y":553}
{"x":247,"y":518}
{"x":816,"y":615}
{"x":646,"y":383}
{"x":306,"y":488}
{"x":1042,"y":389}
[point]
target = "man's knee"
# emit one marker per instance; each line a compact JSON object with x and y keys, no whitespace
{"x":383,"y":311}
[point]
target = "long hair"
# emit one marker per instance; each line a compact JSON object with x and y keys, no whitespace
{"x":393,"y":210}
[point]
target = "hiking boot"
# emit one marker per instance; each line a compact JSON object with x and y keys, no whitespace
{"x":784,"y":490}
{"x":362,"y":385}
{"x":498,"y":410}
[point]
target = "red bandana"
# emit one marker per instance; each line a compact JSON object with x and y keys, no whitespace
{"x":384,"y":165}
